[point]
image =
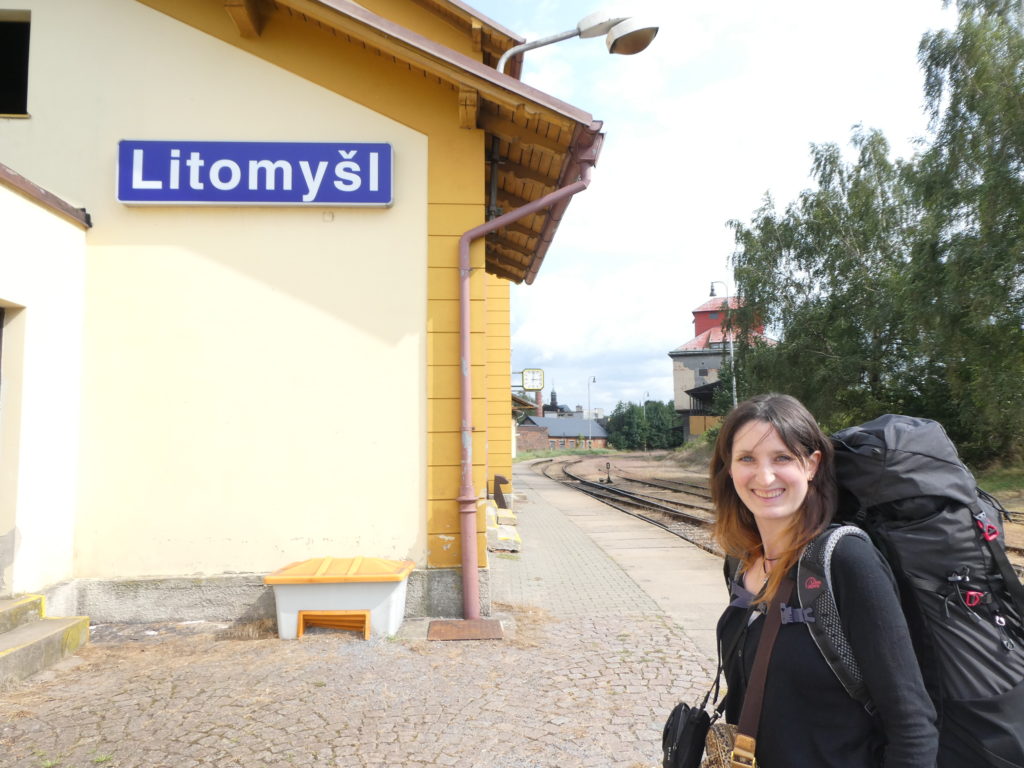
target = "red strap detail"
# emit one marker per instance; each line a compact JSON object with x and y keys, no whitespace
{"x":989,"y":531}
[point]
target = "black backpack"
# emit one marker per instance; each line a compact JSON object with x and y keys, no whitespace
{"x":903,"y":485}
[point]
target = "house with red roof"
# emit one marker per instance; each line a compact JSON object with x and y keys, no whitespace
{"x":696,"y":364}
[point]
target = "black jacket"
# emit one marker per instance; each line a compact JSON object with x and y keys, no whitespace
{"x":808,"y":720}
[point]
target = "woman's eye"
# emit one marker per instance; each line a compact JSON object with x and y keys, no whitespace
{"x":784,"y":458}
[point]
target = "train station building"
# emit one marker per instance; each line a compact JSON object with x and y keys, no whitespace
{"x":255,"y":297}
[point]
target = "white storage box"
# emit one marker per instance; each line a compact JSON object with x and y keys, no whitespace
{"x":340,"y":592}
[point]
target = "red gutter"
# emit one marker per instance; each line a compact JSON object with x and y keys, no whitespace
{"x":467,"y":496}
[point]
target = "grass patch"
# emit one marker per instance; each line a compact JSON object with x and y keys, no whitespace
{"x":549,"y":454}
{"x":257,"y":629}
{"x":1001,"y":479}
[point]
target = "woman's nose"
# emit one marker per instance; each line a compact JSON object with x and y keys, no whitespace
{"x":765,"y":474}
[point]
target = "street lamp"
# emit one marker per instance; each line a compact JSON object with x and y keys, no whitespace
{"x":623,"y":35}
{"x":590,"y":414}
{"x":647,"y":396}
{"x":732,"y":334}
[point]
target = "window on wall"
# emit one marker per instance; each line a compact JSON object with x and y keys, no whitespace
{"x":14,"y":28}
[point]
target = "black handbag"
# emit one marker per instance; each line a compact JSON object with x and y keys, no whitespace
{"x":682,"y":740}
{"x":686,"y":730}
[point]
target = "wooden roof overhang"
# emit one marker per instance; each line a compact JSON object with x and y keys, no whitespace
{"x":538,"y":139}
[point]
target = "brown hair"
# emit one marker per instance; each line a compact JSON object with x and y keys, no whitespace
{"x":735,"y":528}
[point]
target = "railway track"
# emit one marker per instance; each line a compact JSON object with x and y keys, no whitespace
{"x":686,"y":518}
{"x":687,"y":512}
{"x":693,"y":489}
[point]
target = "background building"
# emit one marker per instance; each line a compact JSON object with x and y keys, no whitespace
{"x":696,"y":364}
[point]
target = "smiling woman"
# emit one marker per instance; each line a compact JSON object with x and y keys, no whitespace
{"x":774,"y":490}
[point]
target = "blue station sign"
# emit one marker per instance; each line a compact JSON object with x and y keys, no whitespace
{"x":254,"y":173}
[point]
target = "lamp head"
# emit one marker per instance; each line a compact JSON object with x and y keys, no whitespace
{"x":597,"y":24}
{"x":630,"y":36}
{"x":712,"y":289}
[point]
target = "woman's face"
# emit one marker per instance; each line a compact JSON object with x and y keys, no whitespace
{"x":770,"y":480}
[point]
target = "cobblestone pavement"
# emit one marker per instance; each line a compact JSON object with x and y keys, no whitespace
{"x":587,"y":673}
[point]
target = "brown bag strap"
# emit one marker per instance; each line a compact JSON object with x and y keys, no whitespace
{"x":750,"y":714}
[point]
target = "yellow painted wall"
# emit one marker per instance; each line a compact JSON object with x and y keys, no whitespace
{"x":701,"y":424}
{"x":255,"y":379}
{"x":42,"y":275}
{"x":447,"y":223}
{"x":268,"y":384}
{"x":456,"y":204}
{"x":500,"y":424}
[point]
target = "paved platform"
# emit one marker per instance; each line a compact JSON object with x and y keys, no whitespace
{"x":608,"y":625}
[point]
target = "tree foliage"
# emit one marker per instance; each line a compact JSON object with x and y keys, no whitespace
{"x":899,"y":285}
{"x":650,"y":426}
{"x":969,"y":260}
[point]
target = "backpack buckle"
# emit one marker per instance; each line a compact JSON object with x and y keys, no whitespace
{"x":973,"y":598}
{"x":988,"y":531}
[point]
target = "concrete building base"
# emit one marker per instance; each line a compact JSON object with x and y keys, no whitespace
{"x":237,"y":597}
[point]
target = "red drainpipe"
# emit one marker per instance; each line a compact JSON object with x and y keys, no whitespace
{"x":467,"y":495}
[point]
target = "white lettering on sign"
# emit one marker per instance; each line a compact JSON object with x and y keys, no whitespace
{"x":269,"y":173}
{"x":138,"y":156}
{"x":269,"y":168}
{"x":343,"y":171}
{"x":195,"y":164}
{"x":234,"y":174}
{"x":312,"y":182}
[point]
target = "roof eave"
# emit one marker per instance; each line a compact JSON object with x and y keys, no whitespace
{"x":18,"y":183}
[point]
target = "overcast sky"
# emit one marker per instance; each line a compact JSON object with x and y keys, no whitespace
{"x":719,"y":111}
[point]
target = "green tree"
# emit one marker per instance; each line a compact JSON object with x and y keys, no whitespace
{"x":652,"y":426}
{"x":826,"y":277}
{"x":626,"y":427}
{"x":969,"y":264}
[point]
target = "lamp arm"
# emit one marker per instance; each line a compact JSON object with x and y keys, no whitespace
{"x":534,"y":44}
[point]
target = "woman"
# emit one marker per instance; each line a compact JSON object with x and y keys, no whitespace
{"x":774,"y":490}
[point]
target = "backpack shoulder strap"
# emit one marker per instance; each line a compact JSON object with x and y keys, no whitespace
{"x":993,"y":536}
{"x":814,"y":588}
{"x":730,"y":568}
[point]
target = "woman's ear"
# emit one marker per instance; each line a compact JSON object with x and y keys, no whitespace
{"x":812,"y":464}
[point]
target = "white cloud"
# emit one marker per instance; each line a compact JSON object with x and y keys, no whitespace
{"x":722,"y":108}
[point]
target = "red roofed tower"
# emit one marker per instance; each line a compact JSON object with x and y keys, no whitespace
{"x":695,"y":364}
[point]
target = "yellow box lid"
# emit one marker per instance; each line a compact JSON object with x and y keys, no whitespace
{"x":327,"y":570}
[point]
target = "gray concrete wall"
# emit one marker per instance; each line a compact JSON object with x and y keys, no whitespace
{"x":434,"y":593}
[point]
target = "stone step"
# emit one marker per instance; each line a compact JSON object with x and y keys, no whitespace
{"x":30,"y":648}
{"x":16,"y":611}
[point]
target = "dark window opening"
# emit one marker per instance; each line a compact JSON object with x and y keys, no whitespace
{"x":14,"y":67}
